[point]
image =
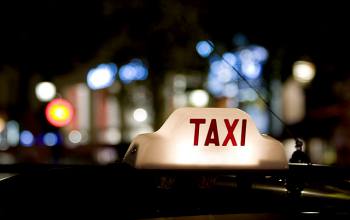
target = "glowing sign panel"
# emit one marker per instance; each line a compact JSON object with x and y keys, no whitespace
{"x":207,"y":138}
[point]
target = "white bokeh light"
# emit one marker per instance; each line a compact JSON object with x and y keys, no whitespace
{"x":75,"y":137}
{"x":112,"y":136}
{"x":45,"y":91}
{"x":102,"y":76}
{"x":199,"y":98}
{"x":140,"y":114}
{"x":303,"y":71}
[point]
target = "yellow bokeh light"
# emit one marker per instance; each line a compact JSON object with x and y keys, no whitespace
{"x":59,"y":112}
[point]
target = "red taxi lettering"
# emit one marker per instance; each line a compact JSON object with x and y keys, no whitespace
{"x":244,"y":128}
{"x":230,"y":129}
{"x":212,"y":134}
{"x":213,"y":130}
{"x":196,"y":122}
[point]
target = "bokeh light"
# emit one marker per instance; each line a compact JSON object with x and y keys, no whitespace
{"x":230,"y":90}
{"x":140,"y":115}
{"x":45,"y":91}
{"x":2,"y":124}
{"x":26,"y":138}
{"x":59,"y":112}
{"x":112,"y":136}
{"x":204,"y":48}
{"x":303,"y":71}
{"x":199,"y":98}
{"x":102,"y":76}
{"x":230,"y":58}
{"x":12,"y":133}
{"x":50,"y":139}
{"x":134,"y":70}
{"x":74,"y":137}
{"x":251,"y":70}
{"x":106,"y":155}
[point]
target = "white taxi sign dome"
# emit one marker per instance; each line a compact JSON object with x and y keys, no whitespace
{"x":206,"y":138}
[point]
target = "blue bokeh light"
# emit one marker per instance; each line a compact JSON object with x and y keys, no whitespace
{"x":260,"y":53}
{"x":251,"y":70}
{"x":259,"y":116}
{"x":230,"y":58}
{"x":26,"y":138}
{"x":132,"y":71}
{"x":50,"y":139}
{"x":223,"y":78}
{"x":204,"y":48}
{"x":102,"y":76}
{"x":222,"y":71}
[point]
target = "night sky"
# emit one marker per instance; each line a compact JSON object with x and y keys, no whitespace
{"x":50,"y":37}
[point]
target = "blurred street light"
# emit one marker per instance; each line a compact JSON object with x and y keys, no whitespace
{"x":102,"y":76}
{"x":199,"y":98}
{"x":303,"y":71}
{"x":132,"y":71}
{"x":26,"y":138}
{"x":59,"y":112}
{"x":75,"y":137}
{"x":12,"y":128}
{"x":140,"y":115}
{"x":204,"y":49}
{"x":45,"y":91}
{"x":50,"y":139}
{"x":2,"y":124}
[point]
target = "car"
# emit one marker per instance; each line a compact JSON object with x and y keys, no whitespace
{"x":203,"y":163}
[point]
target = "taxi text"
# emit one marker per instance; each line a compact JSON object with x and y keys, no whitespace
{"x":212,"y":136}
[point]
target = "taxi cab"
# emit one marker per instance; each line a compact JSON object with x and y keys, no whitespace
{"x":203,"y":163}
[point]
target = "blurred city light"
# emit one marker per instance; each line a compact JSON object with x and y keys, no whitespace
{"x":59,"y":112}
{"x":2,"y":124}
{"x":142,"y":129}
{"x":26,"y":138}
{"x":132,"y":71}
{"x":45,"y":91}
{"x":180,"y":83}
{"x":112,"y":136}
{"x":204,"y":48}
{"x":215,"y":87}
{"x":293,"y":102}
{"x":50,"y":139}
{"x":140,"y":115}
{"x":260,"y":53}
{"x":230,"y":90}
{"x":7,"y":158}
{"x":179,"y":100}
{"x":74,"y":137}
{"x":248,"y":95}
{"x":222,"y":71}
{"x":102,"y":76}
{"x":230,"y":58}
{"x":303,"y":71}
{"x":106,"y":155}
{"x":12,"y":133}
{"x":259,"y":116}
{"x":199,"y":98}
{"x":251,"y":70}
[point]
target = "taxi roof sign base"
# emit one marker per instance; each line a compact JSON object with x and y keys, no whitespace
{"x":208,"y":139}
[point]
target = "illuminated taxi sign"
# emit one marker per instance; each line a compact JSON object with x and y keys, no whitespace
{"x":206,"y":138}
